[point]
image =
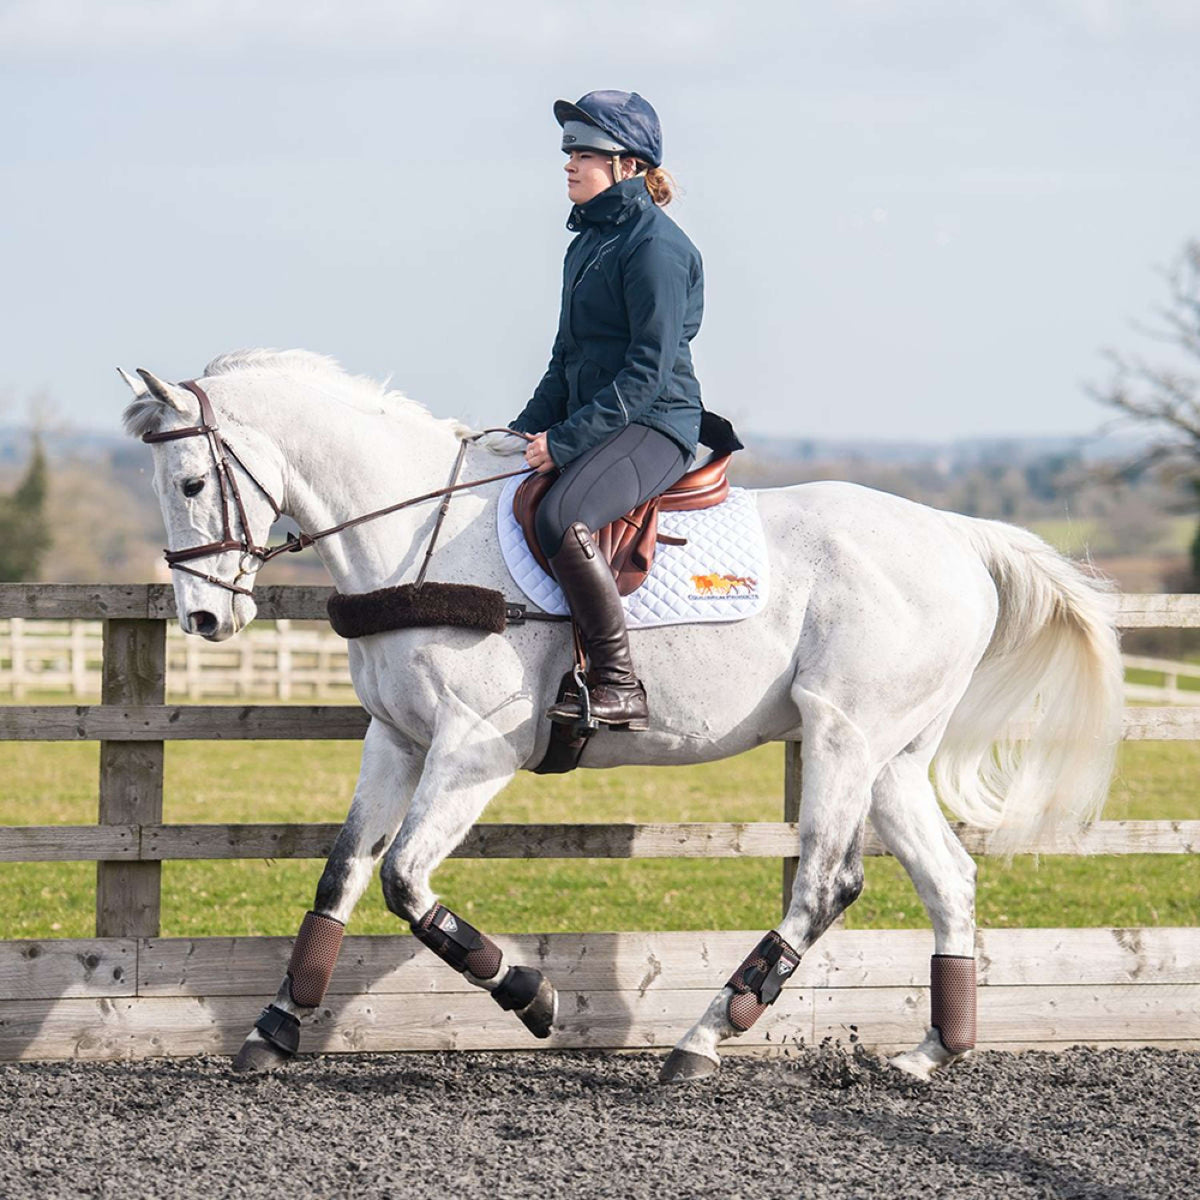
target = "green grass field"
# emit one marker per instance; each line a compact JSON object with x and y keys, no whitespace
{"x":48,"y":783}
{"x":1093,"y":535}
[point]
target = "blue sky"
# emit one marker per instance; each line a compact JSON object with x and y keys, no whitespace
{"x":920,"y":219}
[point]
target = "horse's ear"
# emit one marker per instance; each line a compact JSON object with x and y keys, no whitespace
{"x":136,"y":386}
{"x":180,"y":399}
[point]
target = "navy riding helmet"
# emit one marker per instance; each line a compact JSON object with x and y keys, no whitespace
{"x":613,"y":122}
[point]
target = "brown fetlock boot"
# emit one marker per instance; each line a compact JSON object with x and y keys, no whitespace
{"x":616,"y":696}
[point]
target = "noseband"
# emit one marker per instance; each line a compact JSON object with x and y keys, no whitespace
{"x":222,"y":452}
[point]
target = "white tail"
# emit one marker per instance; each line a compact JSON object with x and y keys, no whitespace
{"x":1054,"y":665}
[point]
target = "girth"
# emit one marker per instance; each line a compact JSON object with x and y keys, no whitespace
{"x":628,"y":543}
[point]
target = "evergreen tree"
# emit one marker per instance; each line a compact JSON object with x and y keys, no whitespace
{"x":24,"y":528}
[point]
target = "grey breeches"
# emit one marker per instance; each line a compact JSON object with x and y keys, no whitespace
{"x":608,"y":481}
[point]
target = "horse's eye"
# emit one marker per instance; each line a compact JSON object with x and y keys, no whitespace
{"x":192,"y":487}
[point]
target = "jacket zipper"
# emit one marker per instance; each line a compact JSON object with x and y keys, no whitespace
{"x":592,"y":263}
{"x":621,"y":402}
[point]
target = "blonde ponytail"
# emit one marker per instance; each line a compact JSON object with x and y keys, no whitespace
{"x":659,"y":183}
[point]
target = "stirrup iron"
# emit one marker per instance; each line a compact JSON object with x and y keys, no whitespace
{"x":584,"y":725}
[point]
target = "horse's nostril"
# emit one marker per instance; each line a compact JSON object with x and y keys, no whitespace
{"x":201,"y":622}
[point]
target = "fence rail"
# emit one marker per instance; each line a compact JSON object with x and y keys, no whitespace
{"x":760,"y":839}
{"x":283,"y":661}
{"x":1169,"y":690}
{"x":131,"y":992}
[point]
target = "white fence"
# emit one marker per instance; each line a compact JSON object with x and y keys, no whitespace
{"x":1170,"y":691}
{"x":289,"y":661}
{"x":300,"y":660}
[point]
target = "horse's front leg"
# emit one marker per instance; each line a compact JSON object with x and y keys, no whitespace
{"x":391,"y":769}
{"x":836,"y":794}
{"x":469,"y":761}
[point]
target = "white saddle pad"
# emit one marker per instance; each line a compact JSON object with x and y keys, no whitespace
{"x":719,"y":575}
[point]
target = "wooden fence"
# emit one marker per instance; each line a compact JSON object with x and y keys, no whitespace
{"x":129,"y":992}
{"x":283,"y":661}
{"x":279,"y":661}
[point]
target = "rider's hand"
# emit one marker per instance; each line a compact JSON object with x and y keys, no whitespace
{"x":537,"y":455}
{"x":502,"y":442}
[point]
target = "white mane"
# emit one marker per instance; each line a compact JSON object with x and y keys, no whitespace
{"x":356,"y":390}
{"x":364,"y":395}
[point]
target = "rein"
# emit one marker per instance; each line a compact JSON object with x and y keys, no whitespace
{"x":222,"y":452}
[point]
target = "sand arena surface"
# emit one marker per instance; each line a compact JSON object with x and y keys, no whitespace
{"x":817,"y":1123}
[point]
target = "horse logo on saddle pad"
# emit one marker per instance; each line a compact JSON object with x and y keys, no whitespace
{"x":696,"y":554}
{"x":713,"y":585}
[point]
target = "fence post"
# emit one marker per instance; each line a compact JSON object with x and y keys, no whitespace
{"x":244,"y":680}
{"x":131,"y":777}
{"x":17,"y":656}
{"x":78,"y":659}
{"x":283,"y":659}
{"x":791,"y":811}
{"x":193,"y":668}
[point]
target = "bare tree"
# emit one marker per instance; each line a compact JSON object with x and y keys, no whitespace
{"x":1165,"y":396}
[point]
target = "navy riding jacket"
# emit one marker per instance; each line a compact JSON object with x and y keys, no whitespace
{"x":633,"y":296}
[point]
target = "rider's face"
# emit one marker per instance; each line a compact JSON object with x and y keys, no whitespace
{"x":588,"y":174}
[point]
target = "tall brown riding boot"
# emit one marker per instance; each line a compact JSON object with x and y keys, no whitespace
{"x":616,"y":695}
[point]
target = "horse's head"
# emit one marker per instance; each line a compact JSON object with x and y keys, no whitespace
{"x":217,"y":513}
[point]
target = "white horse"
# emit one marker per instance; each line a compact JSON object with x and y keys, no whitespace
{"x":895,"y":636}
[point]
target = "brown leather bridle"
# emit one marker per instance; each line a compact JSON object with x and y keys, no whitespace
{"x":222,"y":452}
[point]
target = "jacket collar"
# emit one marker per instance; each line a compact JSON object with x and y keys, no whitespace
{"x":613,"y":206}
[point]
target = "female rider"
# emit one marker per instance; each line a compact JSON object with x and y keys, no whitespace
{"x":618,"y":411}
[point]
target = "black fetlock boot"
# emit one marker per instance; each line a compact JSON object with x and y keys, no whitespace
{"x":616,"y":695}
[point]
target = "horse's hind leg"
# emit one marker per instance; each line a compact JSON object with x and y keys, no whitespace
{"x":836,"y":794}
{"x":387,"y":779}
{"x":469,"y":761}
{"x":906,"y":816}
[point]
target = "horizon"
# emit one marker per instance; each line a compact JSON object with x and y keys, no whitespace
{"x":66,"y":431}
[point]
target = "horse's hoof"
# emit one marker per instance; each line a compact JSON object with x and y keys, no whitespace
{"x":257,"y":1054}
{"x":682,"y":1066}
{"x":539,"y":1015}
{"x":929,"y":1057}
{"x":914,"y":1065}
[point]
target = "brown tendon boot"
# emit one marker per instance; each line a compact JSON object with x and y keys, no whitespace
{"x":617,"y":696}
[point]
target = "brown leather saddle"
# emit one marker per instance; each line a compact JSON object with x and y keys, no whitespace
{"x":628,"y":543}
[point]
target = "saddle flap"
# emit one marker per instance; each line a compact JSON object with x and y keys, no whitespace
{"x":633,"y":546}
{"x":525,"y":502}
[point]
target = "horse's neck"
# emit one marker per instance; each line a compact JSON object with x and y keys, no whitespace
{"x":343,"y":463}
